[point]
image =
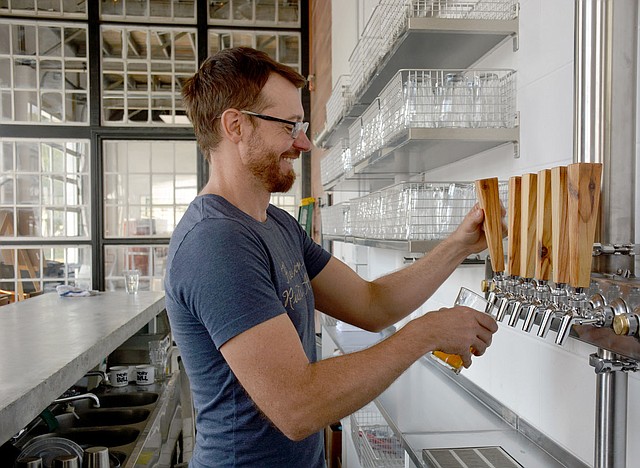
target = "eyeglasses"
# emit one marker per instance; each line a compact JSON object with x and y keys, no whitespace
{"x":296,"y":127}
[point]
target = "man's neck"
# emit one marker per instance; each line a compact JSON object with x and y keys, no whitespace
{"x":252,"y":202}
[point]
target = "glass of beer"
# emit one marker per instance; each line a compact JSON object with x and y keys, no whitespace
{"x":468,"y":298}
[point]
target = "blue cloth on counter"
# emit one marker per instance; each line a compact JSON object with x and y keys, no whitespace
{"x":65,"y":290}
{"x":226,"y":273}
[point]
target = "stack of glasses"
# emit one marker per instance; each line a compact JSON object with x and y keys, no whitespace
{"x":407,"y":211}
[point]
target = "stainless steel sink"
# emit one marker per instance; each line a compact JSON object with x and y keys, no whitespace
{"x":103,"y":417}
{"x":124,"y":400}
{"x":95,"y":436}
{"x":121,"y":423}
{"x":105,"y":437}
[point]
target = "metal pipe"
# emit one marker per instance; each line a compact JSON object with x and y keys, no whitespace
{"x":604,"y":131}
{"x":611,"y":416}
{"x":605,"y":84}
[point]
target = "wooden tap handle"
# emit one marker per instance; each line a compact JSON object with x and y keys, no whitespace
{"x":513,"y":215}
{"x":559,"y":225}
{"x":543,"y":226}
{"x":489,"y":198}
{"x":584,"y":184}
{"x":528,"y":225}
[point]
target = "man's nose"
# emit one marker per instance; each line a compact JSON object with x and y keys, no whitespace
{"x":302,"y":142}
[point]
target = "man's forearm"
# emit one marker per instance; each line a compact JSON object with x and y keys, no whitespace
{"x":338,"y":386}
{"x":399,"y":293}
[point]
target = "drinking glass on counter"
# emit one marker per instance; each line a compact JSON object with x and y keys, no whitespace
{"x":158,"y":358}
{"x":131,"y":281}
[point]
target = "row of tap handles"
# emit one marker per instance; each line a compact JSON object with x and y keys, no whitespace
{"x":552,"y":218}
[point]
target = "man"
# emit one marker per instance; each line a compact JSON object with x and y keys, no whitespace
{"x":243,"y":280}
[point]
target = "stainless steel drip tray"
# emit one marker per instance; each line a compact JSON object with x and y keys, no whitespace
{"x":510,"y":447}
{"x":469,"y":457}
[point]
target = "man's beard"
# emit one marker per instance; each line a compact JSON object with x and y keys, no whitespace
{"x":267,"y":169}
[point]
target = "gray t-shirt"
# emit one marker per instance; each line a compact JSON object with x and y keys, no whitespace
{"x":226,"y":273}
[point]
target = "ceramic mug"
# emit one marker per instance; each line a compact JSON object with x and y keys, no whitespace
{"x":119,"y":376}
{"x":145,"y":374}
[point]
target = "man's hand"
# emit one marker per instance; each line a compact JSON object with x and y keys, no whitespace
{"x":470,"y":233}
{"x":458,"y":330}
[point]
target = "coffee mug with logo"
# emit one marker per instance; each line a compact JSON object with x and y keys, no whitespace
{"x":119,"y":376}
{"x":145,"y":374}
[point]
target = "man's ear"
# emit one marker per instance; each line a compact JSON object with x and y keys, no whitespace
{"x":231,"y":125}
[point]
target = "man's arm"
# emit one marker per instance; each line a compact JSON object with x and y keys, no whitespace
{"x":375,"y":305}
{"x":301,"y":398}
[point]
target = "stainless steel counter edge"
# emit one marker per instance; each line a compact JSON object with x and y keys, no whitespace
{"x":168,"y":388}
{"x":49,"y":342}
{"x":353,"y":340}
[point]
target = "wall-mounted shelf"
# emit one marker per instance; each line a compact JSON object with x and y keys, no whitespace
{"x":438,"y":42}
{"x":412,"y":246}
{"x":421,"y":149}
{"x":441,"y":43}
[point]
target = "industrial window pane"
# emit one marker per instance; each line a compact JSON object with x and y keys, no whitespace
{"x":266,"y":11}
{"x":220,"y":10}
{"x":23,"y":38}
{"x":150,"y":260}
{"x":50,"y":74}
{"x":6,"y":106}
{"x":289,"y":11}
{"x":284,"y":13}
{"x":140,"y":84}
{"x":282,"y":47}
{"x":44,"y":8}
{"x":26,"y":271}
{"x":50,"y":41}
{"x":37,"y":59}
{"x":289,"y":49}
{"x":143,"y":11}
{"x":143,"y":181}
{"x":45,"y":191}
{"x":5,"y":42}
{"x":136,"y":8}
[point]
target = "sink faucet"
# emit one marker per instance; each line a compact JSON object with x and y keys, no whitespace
{"x":104,"y":379}
{"x":83,"y":396}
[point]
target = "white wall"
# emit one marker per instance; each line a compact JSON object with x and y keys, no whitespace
{"x":551,"y":387}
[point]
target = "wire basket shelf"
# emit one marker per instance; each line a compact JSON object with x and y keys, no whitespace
{"x":336,"y":219}
{"x":389,"y":21}
{"x":472,"y":98}
{"x":376,"y":444}
{"x":336,"y":163}
{"x":339,"y":103}
{"x":407,"y":211}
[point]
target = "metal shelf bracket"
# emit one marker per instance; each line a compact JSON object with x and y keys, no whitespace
{"x":602,"y":365}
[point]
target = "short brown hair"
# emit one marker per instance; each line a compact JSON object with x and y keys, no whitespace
{"x":231,"y":78}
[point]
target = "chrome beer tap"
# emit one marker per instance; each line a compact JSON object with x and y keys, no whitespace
{"x":541,"y":298}
{"x":595,"y":311}
{"x":583,"y":189}
{"x":557,"y":307}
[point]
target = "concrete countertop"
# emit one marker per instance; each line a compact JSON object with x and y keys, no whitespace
{"x":48,"y":342}
{"x":430,"y":407}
